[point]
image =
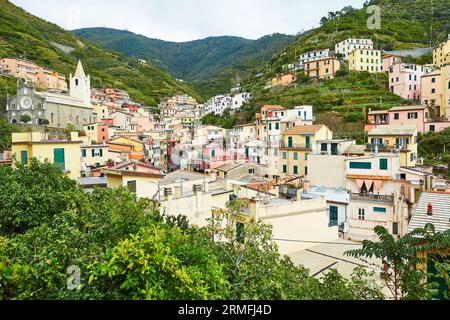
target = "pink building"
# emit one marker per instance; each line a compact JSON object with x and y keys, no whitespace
{"x":43,"y":77}
{"x":142,"y":124}
{"x":404,"y":80}
{"x":213,"y":157}
{"x":387,"y":60}
{"x":420,"y":116}
{"x":102,"y":133}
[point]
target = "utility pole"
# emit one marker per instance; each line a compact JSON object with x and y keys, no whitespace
{"x":431,"y":26}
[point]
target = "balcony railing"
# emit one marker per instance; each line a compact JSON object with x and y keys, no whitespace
{"x":372,"y":197}
{"x":295,"y":146}
{"x":384,"y":147}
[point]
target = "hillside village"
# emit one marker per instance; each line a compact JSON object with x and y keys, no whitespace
{"x":284,"y":154}
{"x":312,"y":186}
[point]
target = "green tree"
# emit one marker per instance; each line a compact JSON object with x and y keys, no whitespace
{"x":401,"y":258}
{"x":6,"y":130}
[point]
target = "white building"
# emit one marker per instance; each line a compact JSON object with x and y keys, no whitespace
{"x":239,"y":99}
{"x":348,"y":45}
{"x":312,"y":56}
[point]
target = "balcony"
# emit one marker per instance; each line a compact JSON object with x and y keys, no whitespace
{"x":367,"y":197}
{"x":293,"y":146}
{"x":385,"y":147}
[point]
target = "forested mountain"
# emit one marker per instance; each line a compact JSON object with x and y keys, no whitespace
{"x":211,"y":63}
{"x":23,"y":35}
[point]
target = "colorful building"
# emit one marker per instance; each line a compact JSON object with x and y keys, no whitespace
{"x":283,"y":80}
{"x":297,"y":144}
{"x":441,"y":54}
{"x":388,"y":60}
{"x":42,"y":77}
{"x":324,"y":68}
{"x":404,"y":80}
{"x":397,"y":139}
{"x":65,"y":153}
{"x":365,"y":60}
{"x":435,"y":88}
{"x":375,"y":198}
{"x":347,"y":46}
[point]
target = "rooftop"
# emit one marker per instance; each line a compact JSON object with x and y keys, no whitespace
{"x":441,"y":211}
{"x":403,"y":108}
{"x":304,"y":129}
{"x":394,"y":130}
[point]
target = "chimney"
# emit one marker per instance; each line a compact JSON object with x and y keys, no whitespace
{"x":430,"y":209}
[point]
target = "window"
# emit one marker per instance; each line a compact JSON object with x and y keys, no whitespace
{"x":213,"y":153}
{"x":295,"y":169}
{"x":395,"y":228}
{"x":83,"y":153}
{"x":361,"y":214}
{"x":306,"y":156}
{"x":324,"y":147}
{"x":58,"y":156}
{"x":383,"y":164}
{"x":432,"y":128}
{"x":333,"y":216}
{"x":131,"y":186}
{"x":433,"y":90}
{"x":413,"y":115}
{"x":284,"y":168}
{"x":277,"y":126}
{"x":23,"y":157}
{"x":380,"y":210}
{"x":306,"y":171}
{"x":295,"y":156}
{"x":433,"y":80}
{"x":284,"y":155}
{"x":360,"y":165}
{"x":240,"y":232}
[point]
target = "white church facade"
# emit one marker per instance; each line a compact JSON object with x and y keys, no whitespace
{"x":56,"y":110}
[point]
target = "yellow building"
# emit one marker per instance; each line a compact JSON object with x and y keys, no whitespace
{"x":65,"y":153}
{"x":365,"y":60}
{"x":441,"y":54}
{"x":322,"y":68}
{"x":139,"y":178}
{"x":296,"y":145}
{"x":435,"y":91}
{"x":388,"y":139}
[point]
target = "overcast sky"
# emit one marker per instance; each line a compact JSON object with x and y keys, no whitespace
{"x":184,"y":20}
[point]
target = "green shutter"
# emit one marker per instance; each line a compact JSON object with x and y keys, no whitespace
{"x":333,"y":215}
{"x":93,"y":152}
{"x":24,"y":157}
{"x":381,"y":210}
{"x":360,"y":165}
{"x":284,"y":168}
{"x":295,"y":169}
{"x":58,"y":156}
{"x":101,"y":152}
{"x":83,"y":153}
{"x":383,"y":164}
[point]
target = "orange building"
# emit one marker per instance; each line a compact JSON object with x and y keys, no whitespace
{"x":322,"y":68}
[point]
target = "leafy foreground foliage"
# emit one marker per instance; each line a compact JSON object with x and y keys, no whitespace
{"x":125,"y":249}
{"x":402,"y":258}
